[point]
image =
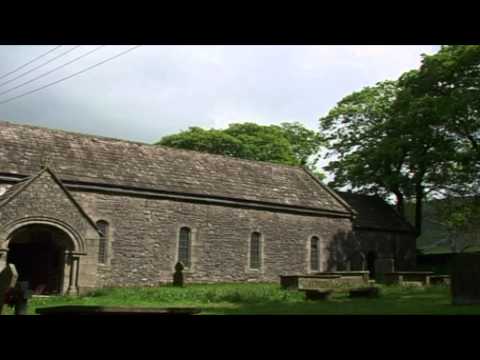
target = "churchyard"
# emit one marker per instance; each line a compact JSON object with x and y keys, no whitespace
{"x":323,"y":293}
{"x":233,"y":299}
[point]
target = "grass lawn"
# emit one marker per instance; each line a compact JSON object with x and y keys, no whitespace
{"x":267,"y":299}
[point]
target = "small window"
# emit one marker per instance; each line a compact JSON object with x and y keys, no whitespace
{"x":184,"y":246}
{"x":102,"y":245}
{"x":255,"y":251}
{"x":314,"y":253}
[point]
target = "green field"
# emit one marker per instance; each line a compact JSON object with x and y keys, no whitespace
{"x":267,"y":299}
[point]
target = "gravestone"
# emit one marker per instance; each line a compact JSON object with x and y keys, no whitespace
{"x":465,"y":279}
{"x":178,"y":278}
{"x":23,"y":294}
{"x":8,"y":279}
{"x":382,"y":267}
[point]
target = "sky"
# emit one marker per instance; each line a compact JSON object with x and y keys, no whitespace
{"x":153,"y":91}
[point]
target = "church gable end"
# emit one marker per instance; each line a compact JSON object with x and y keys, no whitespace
{"x":44,"y":197}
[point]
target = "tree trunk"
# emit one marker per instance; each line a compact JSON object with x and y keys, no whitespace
{"x":400,"y":203}
{"x":419,"y":194}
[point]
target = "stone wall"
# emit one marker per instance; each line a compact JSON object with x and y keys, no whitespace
{"x":144,"y":240}
{"x":397,"y":245}
{"x":43,"y":200}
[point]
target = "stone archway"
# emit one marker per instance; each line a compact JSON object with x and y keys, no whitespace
{"x":39,"y":253}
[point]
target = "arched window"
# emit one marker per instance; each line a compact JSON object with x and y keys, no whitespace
{"x":103,"y":244}
{"x":184,"y":246}
{"x":315,"y":253}
{"x":255,"y":254}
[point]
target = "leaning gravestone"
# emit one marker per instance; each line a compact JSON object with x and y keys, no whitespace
{"x":465,"y":279}
{"x":382,"y":267}
{"x":178,"y":279}
{"x":8,"y":279}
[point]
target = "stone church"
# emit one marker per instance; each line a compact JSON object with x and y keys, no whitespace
{"x":78,"y":212}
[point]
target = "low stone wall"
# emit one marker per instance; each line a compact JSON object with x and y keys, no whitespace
{"x":440,"y":280}
{"x":328,"y":280}
{"x":357,"y":277}
{"x":407,"y":276}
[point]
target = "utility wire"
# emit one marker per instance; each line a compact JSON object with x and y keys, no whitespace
{"x":31,"y":61}
{"x":51,"y":71}
{"x":39,"y":66}
{"x":70,"y":76}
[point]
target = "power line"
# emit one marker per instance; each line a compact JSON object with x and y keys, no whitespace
{"x":51,"y":71}
{"x":70,"y":76}
{"x":31,"y":61}
{"x":39,"y":66}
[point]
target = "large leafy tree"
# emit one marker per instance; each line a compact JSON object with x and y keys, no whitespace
{"x":445,"y":96}
{"x":306,"y":143}
{"x":288,"y":143}
{"x":414,"y":137}
{"x":369,"y":152}
{"x":460,"y":218}
{"x":211,"y":141}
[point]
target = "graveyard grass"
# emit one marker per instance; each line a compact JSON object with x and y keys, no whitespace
{"x":267,"y":299}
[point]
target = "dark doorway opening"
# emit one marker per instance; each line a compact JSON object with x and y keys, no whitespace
{"x":38,"y":253}
{"x":371,"y":258}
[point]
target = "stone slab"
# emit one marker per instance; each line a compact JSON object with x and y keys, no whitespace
{"x":108,"y":310}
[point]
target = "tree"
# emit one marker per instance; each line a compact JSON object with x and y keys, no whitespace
{"x":460,"y":216}
{"x":446,"y":94}
{"x":306,"y":144}
{"x":211,"y":141}
{"x":414,"y":137}
{"x":289,"y":143}
{"x":370,"y":154}
{"x":263,"y":143}
{"x":381,"y":147}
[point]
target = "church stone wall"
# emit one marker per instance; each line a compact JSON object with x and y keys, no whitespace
{"x":397,"y":245}
{"x":144,"y":240}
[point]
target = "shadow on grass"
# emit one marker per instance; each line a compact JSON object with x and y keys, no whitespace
{"x":269,"y":299}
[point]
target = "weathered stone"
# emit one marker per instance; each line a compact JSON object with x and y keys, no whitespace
{"x":147,"y":193}
{"x":440,"y":280}
{"x":340,"y":279}
{"x":400,"y":277}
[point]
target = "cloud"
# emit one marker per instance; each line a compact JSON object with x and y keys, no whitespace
{"x":158,"y":90}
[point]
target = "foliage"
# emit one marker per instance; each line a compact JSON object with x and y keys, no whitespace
{"x":370,"y":152}
{"x":461,"y":220}
{"x":289,"y":143}
{"x":305,"y":143}
{"x":414,"y":138}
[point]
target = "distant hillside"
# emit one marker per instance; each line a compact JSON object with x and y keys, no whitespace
{"x":434,"y":234}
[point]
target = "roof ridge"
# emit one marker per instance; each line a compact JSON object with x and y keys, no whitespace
{"x":379,"y":200}
{"x":168,"y":148}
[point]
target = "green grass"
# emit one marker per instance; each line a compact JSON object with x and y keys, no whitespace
{"x":267,"y":299}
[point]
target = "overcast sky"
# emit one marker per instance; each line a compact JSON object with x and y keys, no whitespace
{"x":154,"y":91}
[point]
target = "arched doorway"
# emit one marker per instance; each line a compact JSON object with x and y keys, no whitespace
{"x":38,"y":253}
{"x":371,"y":258}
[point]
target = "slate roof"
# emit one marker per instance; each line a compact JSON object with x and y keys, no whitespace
{"x":374,"y":213}
{"x":101,"y":160}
